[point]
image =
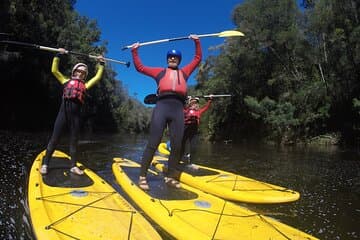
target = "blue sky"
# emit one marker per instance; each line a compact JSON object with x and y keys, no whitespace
{"x":125,"y":22}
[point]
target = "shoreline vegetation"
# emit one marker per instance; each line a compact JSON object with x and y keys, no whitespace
{"x":293,"y":78}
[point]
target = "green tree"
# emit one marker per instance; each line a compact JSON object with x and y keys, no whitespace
{"x":274,"y":63}
{"x":31,"y":89}
{"x":333,"y":28}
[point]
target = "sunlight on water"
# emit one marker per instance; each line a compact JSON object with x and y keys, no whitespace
{"x":327,"y":179}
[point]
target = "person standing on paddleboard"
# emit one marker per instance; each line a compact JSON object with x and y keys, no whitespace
{"x":192,"y":115}
{"x":172,"y":91}
{"x":69,"y":114}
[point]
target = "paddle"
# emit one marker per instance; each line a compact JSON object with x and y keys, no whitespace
{"x":31,"y":45}
{"x":229,"y":33}
{"x":215,"y":96}
{"x":5,"y":35}
{"x":152,"y":98}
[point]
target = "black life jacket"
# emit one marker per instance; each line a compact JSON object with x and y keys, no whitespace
{"x":75,"y":89}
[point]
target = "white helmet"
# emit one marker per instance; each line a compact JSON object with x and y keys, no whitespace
{"x":191,"y":99}
{"x":81,"y":66}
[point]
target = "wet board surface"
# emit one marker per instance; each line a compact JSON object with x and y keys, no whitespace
{"x":189,"y":213}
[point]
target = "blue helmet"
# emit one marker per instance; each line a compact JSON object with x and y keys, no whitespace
{"x":175,"y":53}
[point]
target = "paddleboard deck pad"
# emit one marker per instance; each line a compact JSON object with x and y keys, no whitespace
{"x":59,"y":175}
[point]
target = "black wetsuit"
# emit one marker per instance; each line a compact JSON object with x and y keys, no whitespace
{"x":167,"y":112}
{"x":169,"y":109}
{"x":68,"y":115}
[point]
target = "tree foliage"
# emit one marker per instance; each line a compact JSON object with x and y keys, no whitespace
{"x":294,"y":75}
{"x":33,"y":95}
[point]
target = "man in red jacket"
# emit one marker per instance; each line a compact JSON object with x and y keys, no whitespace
{"x":172,"y":90}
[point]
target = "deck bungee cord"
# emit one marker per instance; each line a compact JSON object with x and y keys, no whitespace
{"x":68,"y":206}
{"x":269,"y":187}
{"x":83,"y":206}
{"x":221,"y":214}
{"x":186,"y":206}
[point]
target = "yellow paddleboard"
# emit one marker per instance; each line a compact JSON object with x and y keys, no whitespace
{"x":67,"y":206}
{"x":229,"y":185}
{"x":188,"y":213}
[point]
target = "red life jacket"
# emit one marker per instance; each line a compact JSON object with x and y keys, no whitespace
{"x":172,"y":80}
{"x":75,"y":89}
{"x":191,"y":116}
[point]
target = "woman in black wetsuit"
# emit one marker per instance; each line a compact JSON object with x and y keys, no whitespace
{"x":69,"y":113}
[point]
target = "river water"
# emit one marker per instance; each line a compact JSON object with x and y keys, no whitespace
{"x":328,"y":179}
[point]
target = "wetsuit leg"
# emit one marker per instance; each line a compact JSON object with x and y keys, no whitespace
{"x":176,"y":131}
{"x":157,"y":126}
{"x":58,"y":127}
{"x":74,"y":119}
{"x":185,"y":142}
{"x":193,"y":141}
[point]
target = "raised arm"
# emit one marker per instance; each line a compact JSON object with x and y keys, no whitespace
{"x":189,"y":68}
{"x":55,"y":68}
{"x":99,"y":73}
{"x":149,"y":71}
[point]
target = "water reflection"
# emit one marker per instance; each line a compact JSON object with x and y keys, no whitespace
{"x":327,"y":178}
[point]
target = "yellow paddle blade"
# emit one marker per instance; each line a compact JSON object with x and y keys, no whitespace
{"x":231,"y":33}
